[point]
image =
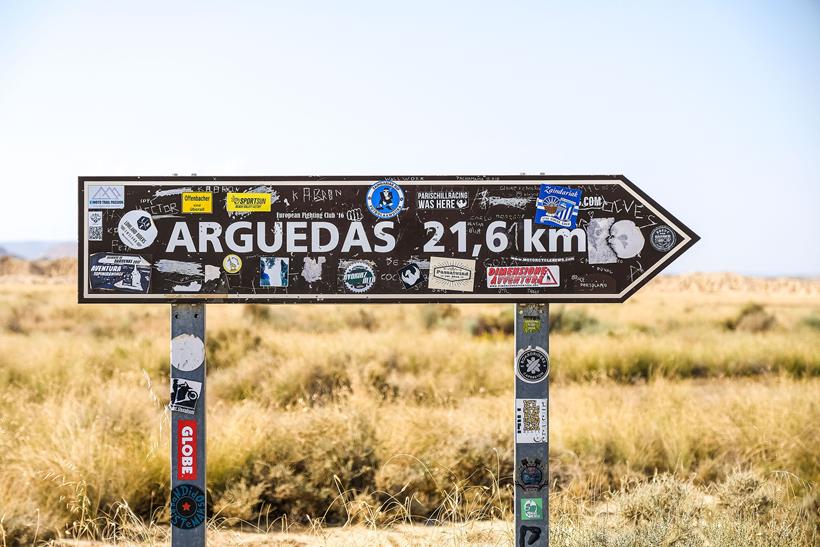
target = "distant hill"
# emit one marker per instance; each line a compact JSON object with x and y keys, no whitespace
{"x":37,"y":271}
{"x":32,"y":250}
{"x":64,"y":249}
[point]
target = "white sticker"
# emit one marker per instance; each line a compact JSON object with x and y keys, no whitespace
{"x":187,"y":352}
{"x":608,"y":240}
{"x":137,"y":229}
{"x":531,"y":421}
{"x":184,"y":395}
{"x":95,"y":226}
{"x":312,"y":268}
{"x":626,"y":239}
{"x":106,"y":196}
{"x":453,"y":274}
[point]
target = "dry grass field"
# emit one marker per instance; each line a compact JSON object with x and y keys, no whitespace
{"x":689,"y":416}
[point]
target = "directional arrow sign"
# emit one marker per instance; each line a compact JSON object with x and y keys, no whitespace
{"x":371,"y":239}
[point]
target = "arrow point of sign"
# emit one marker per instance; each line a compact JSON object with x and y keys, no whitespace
{"x":669,"y":219}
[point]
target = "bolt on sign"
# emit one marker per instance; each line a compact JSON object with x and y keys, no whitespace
{"x":380,"y":238}
{"x":520,"y":239}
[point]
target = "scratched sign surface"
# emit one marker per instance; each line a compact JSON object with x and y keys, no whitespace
{"x":376,"y":239}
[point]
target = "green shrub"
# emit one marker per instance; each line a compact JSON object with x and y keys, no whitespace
{"x":564,"y":320}
{"x":812,"y":321}
{"x":500,"y":323}
{"x":434,"y":314}
{"x":752,"y":317}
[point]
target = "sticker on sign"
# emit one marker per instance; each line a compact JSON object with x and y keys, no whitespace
{"x":187,"y":352}
{"x":532,"y":509}
{"x":106,"y":196}
{"x":186,"y":450}
{"x":531,"y":421}
{"x":521,"y":277}
{"x":184,"y":395}
{"x":451,"y":274}
{"x":95,"y":226}
{"x":197,"y":202}
{"x":116,"y":272}
{"x":248,"y":202}
{"x":137,"y":229}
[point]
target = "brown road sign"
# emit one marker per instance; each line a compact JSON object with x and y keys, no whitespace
{"x":371,"y":239}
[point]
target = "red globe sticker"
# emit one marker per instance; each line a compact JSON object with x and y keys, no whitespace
{"x":186,"y":450}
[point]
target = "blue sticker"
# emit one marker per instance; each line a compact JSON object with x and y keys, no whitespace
{"x":273,"y":271}
{"x":119,"y":273}
{"x":557,"y":206}
{"x":385,"y":199}
{"x":187,"y":506}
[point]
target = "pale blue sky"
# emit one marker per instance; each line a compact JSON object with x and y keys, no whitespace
{"x":713,"y":108}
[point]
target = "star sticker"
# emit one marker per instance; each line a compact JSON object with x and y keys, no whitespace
{"x":186,"y":506}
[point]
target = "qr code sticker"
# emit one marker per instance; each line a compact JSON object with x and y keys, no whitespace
{"x":531,"y":420}
{"x":95,"y":226}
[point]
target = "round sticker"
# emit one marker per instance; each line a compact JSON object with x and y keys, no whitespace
{"x":662,"y":238}
{"x":531,"y":473}
{"x":385,"y":199}
{"x":232,"y":264}
{"x":626,"y":239}
{"x":359,"y":277}
{"x":187,"y":352}
{"x":187,"y":506}
{"x":532,"y":364}
{"x":136,"y":229}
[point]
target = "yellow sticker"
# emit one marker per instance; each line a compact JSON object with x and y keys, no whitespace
{"x":197,"y":202}
{"x":232,"y":264}
{"x":247,"y":202}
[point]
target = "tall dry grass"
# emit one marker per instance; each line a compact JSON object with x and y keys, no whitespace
{"x":377,"y":415}
{"x":746,"y":509}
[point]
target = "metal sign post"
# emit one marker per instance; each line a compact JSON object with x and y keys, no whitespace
{"x":188,"y":491}
{"x":532,"y":368}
